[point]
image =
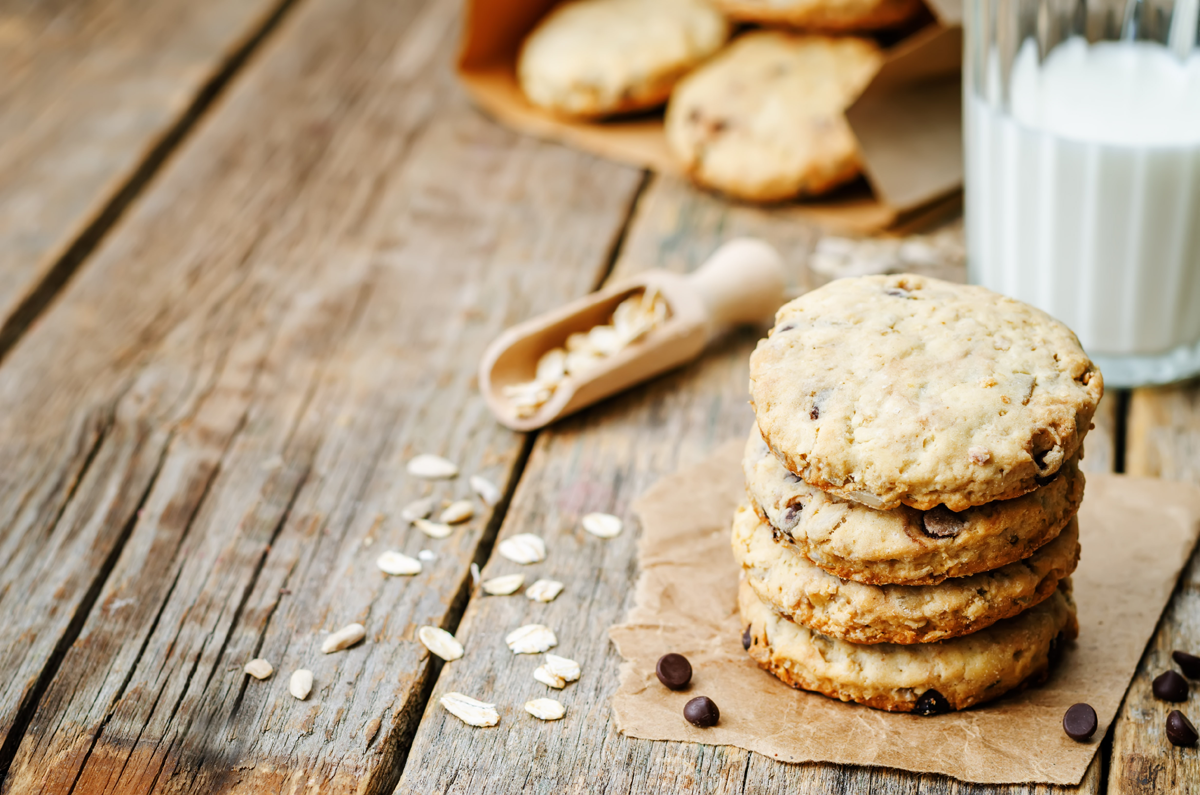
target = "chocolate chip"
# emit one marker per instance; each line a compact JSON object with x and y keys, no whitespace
{"x":785,"y":327}
{"x":1079,"y":722}
{"x":896,"y":292}
{"x":746,"y":638}
{"x":931,"y":702}
{"x":1180,"y":730}
{"x":702,"y":712}
{"x":674,"y":671}
{"x":941,"y":522}
{"x":1188,"y":663}
{"x":1170,"y":686}
{"x":815,"y":414}
{"x":791,"y":517}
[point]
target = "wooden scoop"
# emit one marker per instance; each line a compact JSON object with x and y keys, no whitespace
{"x":742,"y":282}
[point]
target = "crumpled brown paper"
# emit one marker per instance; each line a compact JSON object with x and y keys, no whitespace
{"x":1136,"y":534}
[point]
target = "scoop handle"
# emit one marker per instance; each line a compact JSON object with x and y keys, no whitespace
{"x":742,"y":282}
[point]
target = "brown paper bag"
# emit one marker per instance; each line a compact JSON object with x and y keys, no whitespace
{"x":908,"y":121}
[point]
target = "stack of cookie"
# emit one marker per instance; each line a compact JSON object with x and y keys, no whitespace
{"x":912,"y":486}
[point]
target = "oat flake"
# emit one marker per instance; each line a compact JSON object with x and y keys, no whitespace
{"x":531,"y":639}
{"x":487,"y":491}
{"x":433,"y":529}
{"x":561,"y":667}
{"x":543,"y":675}
{"x":545,"y":708}
{"x":504,"y":585}
{"x":603,"y":525}
{"x":544,"y":590}
{"x":417,"y":509}
{"x":398,"y":564}
{"x":433,"y":467}
{"x":259,"y":669}
{"x":470,"y":711}
{"x":441,"y":643}
{"x":523,"y":548}
{"x":459,"y":511}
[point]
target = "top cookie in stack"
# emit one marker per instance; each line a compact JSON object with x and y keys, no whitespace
{"x":913,"y":483}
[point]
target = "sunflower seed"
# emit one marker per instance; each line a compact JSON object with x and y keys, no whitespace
{"x":441,"y":643}
{"x":300,"y":685}
{"x":470,"y":711}
{"x":433,"y":529}
{"x":603,"y":525}
{"x":550,"y":368}
{"x":523,"y":548}
{"x":578,"y":341}
{"x":432,"y":466}
{"x":505,"y":585}
{"x":417,"y":509}
{"x":580,"y":362}
{"x":259,"y":669}
{"x":604,"y":339}
{"x":475,"y":575}
{"x":545,"y":708}
{"x":531,"y":639}
{"x":398,"y":564}
{"x":543,"y":675}
{"x":427,"y":556}
{"x":568,"y":670}
{"x":544,"y":590}
{"x":456,"y":512}
{"x":486,"y":490}
{"x":344,"y":638}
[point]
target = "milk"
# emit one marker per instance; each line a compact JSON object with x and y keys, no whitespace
{"x":1085,"y":199}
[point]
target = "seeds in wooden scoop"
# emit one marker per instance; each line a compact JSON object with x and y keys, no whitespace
{"x":544,"y":590}
{"x":433,"y":529}
{"x":503,"y":585}
{"x":259,"y":668}
{"x":470,"y":711}
{"x":417,"y":509}
{"x":487,"y":491}
{"x":531,"y":639}
{"x":398,"y":564}
{"x":433,"y":467}
{"x":344,"y":638}
{"x":441,"y":643}
{"x":523,"y":548}
{"x":603,"y":525}
{"x":459,"y":511}
{"x":568,"y":670}
{"x":300,"y":685}
{"x":546,"y":677}
{"x":545,"y":708}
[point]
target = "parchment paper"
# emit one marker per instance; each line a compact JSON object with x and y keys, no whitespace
{"x":1136,"y":534}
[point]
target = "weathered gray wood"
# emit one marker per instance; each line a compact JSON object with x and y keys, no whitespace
{"x":92,"y":93}
{"x":1163,"y":431}
{"x":287,"y":316}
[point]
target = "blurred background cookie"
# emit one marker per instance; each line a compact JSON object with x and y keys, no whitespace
{"x":594,"y":58}
{"x":824,"y":15}
{"x":764,"y":120}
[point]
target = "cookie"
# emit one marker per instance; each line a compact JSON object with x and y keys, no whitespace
{"x":904,"y":545}
{"x":892,"y":390}
{"x":593,"y":58}
{"x":764,"y":120}
{"x":964,"y":671}
{"x":791,"y":585}
{"x":842,"y":16}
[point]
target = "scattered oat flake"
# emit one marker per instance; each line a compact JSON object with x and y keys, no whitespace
{"x":979,"y":455}
{"x":544,"y":590}
{"x":259,"y":668}
{"x":398,"y":564}
{"x":531,"y":639}
{"x":545,"y":708}
{"x":544,"y":675}
{"x":486,"y":490}
{"x":432,"y":467}
{"x":470,"y":711}
{"x":456,"y":512}
{"x":427,"y":555}
{"x":503,"y":585}
{"x":433,"y":529}
{"x":417,"y":509}
{"x":344,"y":638}
{"x":441,"y":643}
{"x":603,"y":525}
{"x":523,"y":548}
{"x":561,"y":667}
{"x":300,"y":685}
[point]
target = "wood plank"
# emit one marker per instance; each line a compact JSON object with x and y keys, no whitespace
{"x":1163,"y":440}
{"x":94,"y":95}
{"x":292,"y":311}
{"x":600,"y":461}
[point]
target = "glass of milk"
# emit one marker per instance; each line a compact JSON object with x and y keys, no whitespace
{"x":1083,"y":172}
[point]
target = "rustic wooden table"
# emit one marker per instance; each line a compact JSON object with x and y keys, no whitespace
{"x":250,"y":252}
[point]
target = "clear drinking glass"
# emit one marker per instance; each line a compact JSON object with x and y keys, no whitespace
{"x":1082,"y":122}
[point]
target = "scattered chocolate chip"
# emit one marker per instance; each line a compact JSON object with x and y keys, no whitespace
{"x":815,"y":414}
{"x":746,"y":638}
{"x":1180,"y":730}
{"x":941,"y":522}
{"x":896,"y":292}
{"x":785,"y":327}
{"x":776,"y":536}
{"x":792,"y":477}
{"x":702,"y":712}
{"x":931,"y":702}
{"x":1079,"y":722}
{"x":674,"y":671}
{"x":1170,"y":686}
{"x":1188,"y":663}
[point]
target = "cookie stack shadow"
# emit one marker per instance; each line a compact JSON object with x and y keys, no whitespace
{"x":912,"y":486}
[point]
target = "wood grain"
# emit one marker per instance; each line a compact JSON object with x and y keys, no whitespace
{"x":93,"y":96}
{"x":290,"y":313}
{"x":600,"y":461}
{"x":1163,"y":441}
